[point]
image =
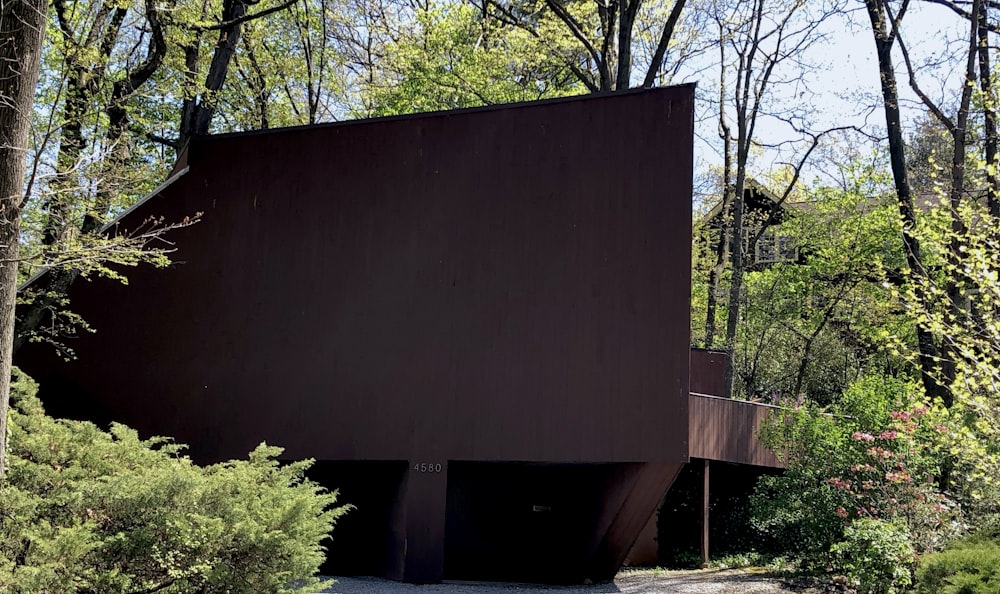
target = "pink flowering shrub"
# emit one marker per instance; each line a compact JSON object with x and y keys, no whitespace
{"x":874,"y":457}
{"x":895,"y":479}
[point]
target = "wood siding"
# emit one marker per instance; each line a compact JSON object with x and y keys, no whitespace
{"x":502,"y":284}
{"x":726,"y":430}
{"x":708,"y":372}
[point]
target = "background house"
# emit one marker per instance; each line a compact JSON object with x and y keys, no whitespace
{"x":763,"y":241}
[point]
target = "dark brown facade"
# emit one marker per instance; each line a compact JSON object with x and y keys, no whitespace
{"x":443,"y":302}
{"x":708,"y":372}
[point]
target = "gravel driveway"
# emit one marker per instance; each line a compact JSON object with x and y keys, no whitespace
{"x":627,"y":582}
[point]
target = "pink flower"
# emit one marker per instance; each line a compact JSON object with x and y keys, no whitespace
{"x":859,"y":436}
{"x":882,"y":453}
{"x":840,"y":484}
{"x":841,"y":512}
{"x":888,"y":435}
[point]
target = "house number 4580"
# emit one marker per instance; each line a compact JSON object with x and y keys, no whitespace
{"x":425,"y":467}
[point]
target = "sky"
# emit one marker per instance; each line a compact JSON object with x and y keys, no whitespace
{"x":844,"y":89}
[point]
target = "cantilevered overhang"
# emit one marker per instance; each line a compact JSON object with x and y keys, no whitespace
{"x":728,"y":430}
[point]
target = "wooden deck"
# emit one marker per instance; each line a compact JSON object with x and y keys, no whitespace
{"x":726,"y":430}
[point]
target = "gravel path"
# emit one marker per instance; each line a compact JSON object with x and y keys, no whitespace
{"x":627,"y":582}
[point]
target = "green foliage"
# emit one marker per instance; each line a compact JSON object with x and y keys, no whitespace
{"x":880,"y":457}
{"x":956,"y":299}
{"x":969,"y":567}
{"x":452,"y":57}
{"x":871,"y":457}
{"x":814,"y":326}
{"x":875,"y":555}
{"x":91,"y":511}
{"x":796,"y":511}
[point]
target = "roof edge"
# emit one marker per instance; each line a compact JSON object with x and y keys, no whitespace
{"x":449,"y":112}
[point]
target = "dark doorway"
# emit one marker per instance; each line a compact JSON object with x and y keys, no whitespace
{"x":523,"y":522}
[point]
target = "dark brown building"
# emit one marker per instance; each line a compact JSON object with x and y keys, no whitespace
{"x":477,"y":322}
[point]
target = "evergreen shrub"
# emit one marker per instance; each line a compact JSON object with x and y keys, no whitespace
{"x":86,"y":510}
{"x":967,"y":567}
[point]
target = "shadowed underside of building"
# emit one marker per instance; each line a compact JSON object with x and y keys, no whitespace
{"x":721,"y":431}
{"x":476,"y":322}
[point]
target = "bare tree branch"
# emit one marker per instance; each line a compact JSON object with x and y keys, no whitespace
{"x":574,"y":27}
{"x":243,"y":19}
{"x":661,"y":47}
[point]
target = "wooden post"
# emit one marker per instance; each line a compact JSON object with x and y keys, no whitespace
{"x":704,"y":517}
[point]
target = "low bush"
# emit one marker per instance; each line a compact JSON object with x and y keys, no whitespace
{"x":876,"y":556}
{"x":84,"y":510}
{"x":967,"y":567}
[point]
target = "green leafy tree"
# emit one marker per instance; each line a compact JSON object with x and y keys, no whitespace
{"x":603,"y":44}
{"x":814,"y":325}
{"x":971,"y":332}
{"x":757,"y":43}
{"x":22,"y":23}
{"x":937,"y":361}
{"x":454,"y":57}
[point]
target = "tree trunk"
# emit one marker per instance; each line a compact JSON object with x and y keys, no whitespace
{"x":626,"y":22}
{"x":82,"y":87}
{"x":661,"y":48}
{"x":22,"y":28}
{"x":990,"y":112}
{"x":956,"y":280}
{"x":721,"y":257}
{"x":57,"y":282}
{"x":71,"y":146}
{"x":736,"y":255}
{"x":722,"y":247}
{"x":927,"y":348}
{"x":229,"y":39}
{"x":198,"y":109}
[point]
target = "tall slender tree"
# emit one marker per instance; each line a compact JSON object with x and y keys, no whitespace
{"x":604,"y":56}
{"x":936,"y":358}
{"x":22,"y":28}
{"x":755,"y":41}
